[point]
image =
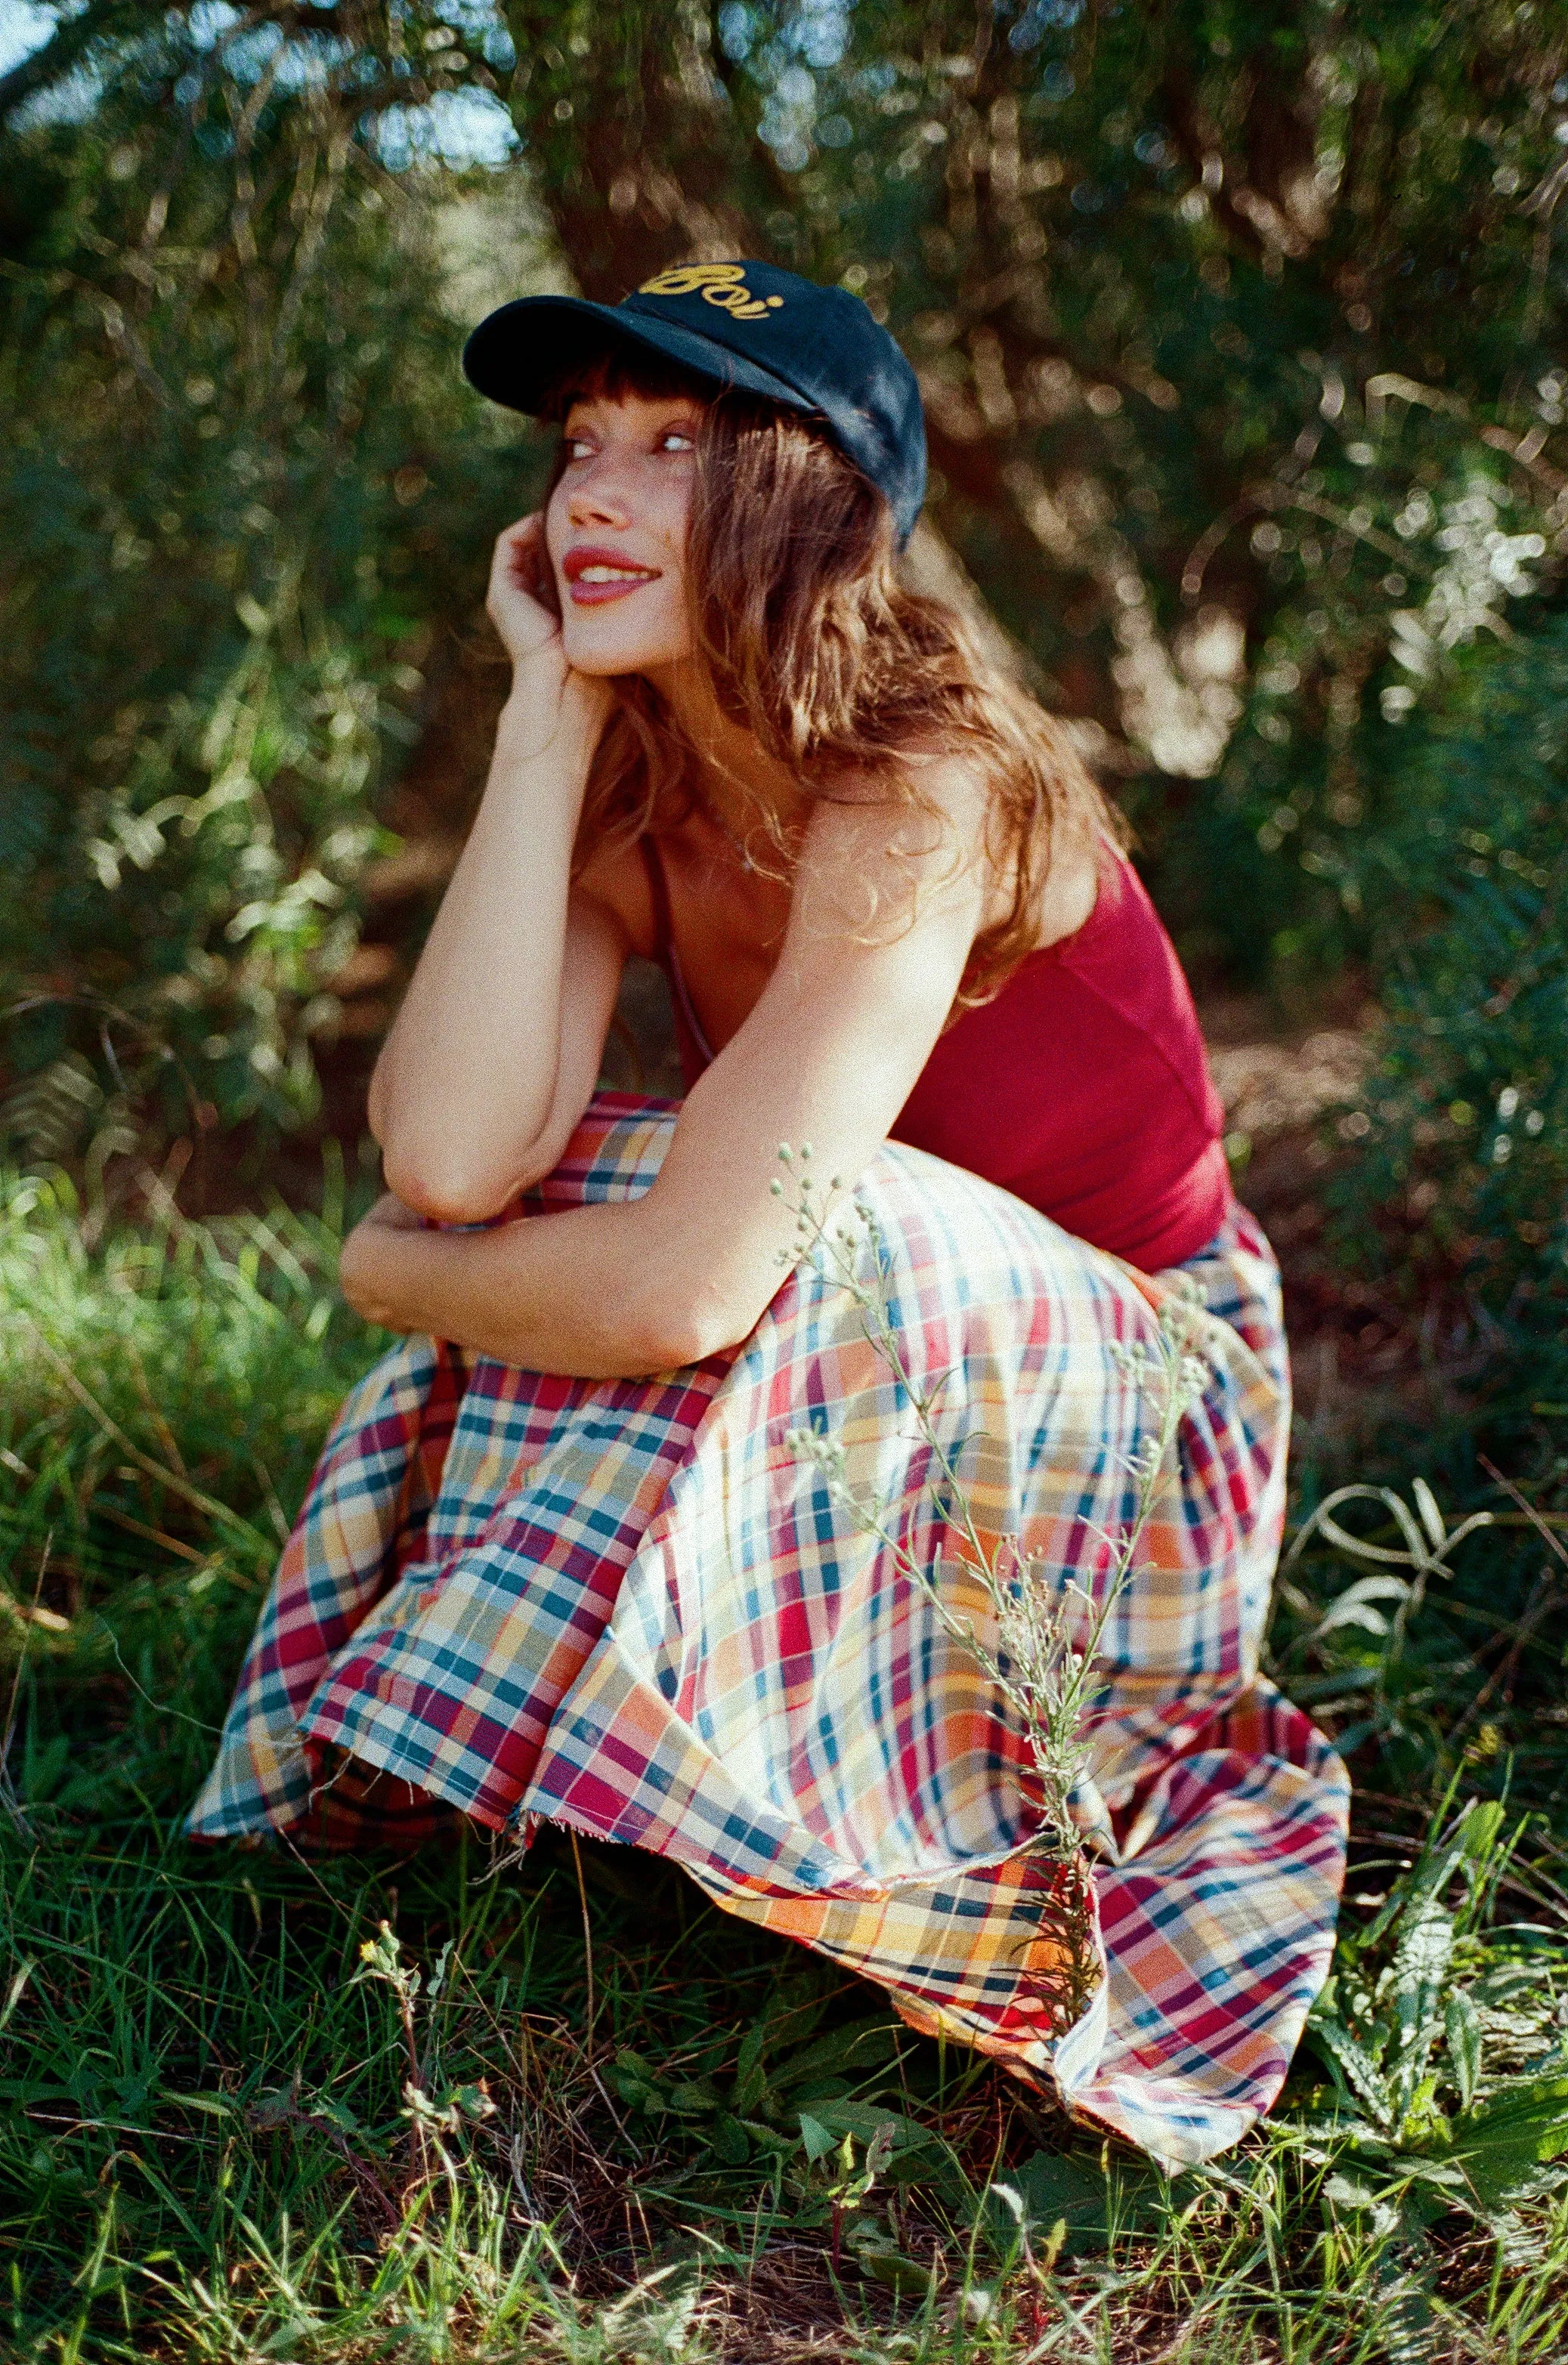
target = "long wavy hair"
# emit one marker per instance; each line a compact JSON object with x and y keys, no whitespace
{"x":813,"y":644}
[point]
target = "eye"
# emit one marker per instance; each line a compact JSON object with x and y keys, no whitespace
{"x":686,"y":436}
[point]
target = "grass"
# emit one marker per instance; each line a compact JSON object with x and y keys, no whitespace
{"x":565,"y":2109}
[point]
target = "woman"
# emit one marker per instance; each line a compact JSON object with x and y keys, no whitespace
{"x":531,"y":1580}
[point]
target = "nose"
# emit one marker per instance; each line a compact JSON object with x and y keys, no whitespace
{"x":600,"y":495}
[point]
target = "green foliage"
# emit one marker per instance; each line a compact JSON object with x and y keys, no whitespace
{"x":162,"y":1400}
{"x":244,"y":493}
{"x":1372,"y":1652}
{"x":1432,"y":1651}
{"x":1238,"y":329}
{"x":1460,"y":1143}
{"x":251,"y":2106}
{"x":1432,"y":2119}
{"x":1238,"y":332}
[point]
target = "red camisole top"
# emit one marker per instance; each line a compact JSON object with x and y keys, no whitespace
{"x":1083,"y":1087}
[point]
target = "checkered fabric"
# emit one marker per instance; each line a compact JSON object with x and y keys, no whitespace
{"x":626,"y":1606}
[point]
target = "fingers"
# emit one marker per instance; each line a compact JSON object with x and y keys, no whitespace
{"x":520,"y":557}
{"x":524,"y":536}
{"x":524,"y":603}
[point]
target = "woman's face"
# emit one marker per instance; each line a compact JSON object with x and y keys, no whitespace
{"x":615,"y":530}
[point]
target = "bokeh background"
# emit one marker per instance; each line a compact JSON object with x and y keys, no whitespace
{"x":1241,"y":329}
{"x":1240,"y":333}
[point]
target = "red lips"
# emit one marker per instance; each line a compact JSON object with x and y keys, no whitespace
{"x":630,"y":574}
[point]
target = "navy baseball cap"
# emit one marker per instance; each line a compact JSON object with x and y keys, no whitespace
{"x":747,"y":325}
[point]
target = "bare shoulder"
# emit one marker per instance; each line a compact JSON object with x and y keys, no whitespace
{"x":965,"y":792}
{"x":931,"y":833}
{"x":1081,"y":858}
{"x":614,"y":882}
{"x":896,"y":849}
{"x":924,"y":799}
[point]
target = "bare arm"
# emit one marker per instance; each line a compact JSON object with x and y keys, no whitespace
{"x":469,"y":1083}
{"x":828,"y":1056}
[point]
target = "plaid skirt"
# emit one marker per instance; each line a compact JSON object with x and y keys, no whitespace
{"x":627,"y":1605}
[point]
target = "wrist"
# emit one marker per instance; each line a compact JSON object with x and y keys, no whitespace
{"x":356,"y":1275}
{"x":559,"y":711}
{"x":368,"y":1266}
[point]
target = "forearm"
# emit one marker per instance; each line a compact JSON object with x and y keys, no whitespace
{"x":620,"y":1289}
{"x":468,"y":1074}
{"x":604,"y":1292}
{"x":828,"y":1056}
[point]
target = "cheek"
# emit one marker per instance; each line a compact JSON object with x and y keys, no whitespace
{"x":674,"y":525}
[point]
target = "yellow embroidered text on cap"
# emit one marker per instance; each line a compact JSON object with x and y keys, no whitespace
{"x":722,"y":283}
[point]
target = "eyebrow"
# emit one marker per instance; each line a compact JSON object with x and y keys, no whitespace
{"x":686,"y":403}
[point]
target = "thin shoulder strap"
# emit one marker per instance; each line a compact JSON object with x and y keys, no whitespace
{"x":659,"y":888}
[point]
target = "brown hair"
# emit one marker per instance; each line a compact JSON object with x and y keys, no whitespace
{"x":812,"y":643}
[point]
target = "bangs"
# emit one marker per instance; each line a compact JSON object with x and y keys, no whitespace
{"x":614,"y":371}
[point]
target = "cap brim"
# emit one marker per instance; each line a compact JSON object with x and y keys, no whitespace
{"x":517,"y":354}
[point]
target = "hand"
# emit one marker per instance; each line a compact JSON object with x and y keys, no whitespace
{"x":521,"y":592}
{"x":362,"y":1264}
{"x":521,"y":584}
{"x":394,"y":1215}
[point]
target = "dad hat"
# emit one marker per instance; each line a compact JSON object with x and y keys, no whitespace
{"x":749,"y":325}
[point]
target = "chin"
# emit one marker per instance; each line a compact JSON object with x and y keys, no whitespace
{"x":616,"y":639}
{"x":611,"y":652}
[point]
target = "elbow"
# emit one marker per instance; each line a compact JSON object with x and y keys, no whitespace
{"x":672,"y":1345}
{"x":446,"y":1191}
{"x":443,"y":1166}
{"x":453,"y":1190}
{"x":667,"y":1333}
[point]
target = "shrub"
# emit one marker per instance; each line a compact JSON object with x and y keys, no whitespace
{"x":246,"y":490}
{"x":1462,"y":1133}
